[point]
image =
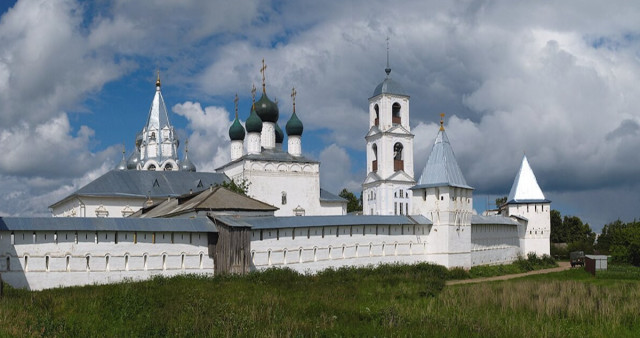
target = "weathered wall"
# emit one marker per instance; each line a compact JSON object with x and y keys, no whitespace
{"x":46,"y":259}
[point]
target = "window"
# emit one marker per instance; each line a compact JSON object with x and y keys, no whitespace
{"x":284,"y":198}
{"x":377,"y":110}
{"x":395,"y":113}
{"x":88,"y":263}
{"x":68,"y":263}
{"x":145,"y":258}
{"x":168,"y":167}
{"x":164,"y":261}
{"x":126,"y":262}
{"x":152,"y":168}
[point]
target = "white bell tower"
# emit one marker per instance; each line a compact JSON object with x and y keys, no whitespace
{"x":385,"y":191}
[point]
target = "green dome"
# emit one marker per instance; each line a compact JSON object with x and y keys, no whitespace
{"x":294,"y":126}
{"x":236,"y":131}
{"x":279,"y":134}
{"x":266,"y":109}
{"x":253,"y":123}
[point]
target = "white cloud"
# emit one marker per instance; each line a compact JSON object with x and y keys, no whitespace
{"x":209,"y":138}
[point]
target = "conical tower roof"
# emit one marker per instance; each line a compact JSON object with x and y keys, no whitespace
{"x":525,"y":188}
{"x":442,"y":168}
{"x":158,"y":117}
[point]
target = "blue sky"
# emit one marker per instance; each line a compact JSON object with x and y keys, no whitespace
{"x":555,"y":81}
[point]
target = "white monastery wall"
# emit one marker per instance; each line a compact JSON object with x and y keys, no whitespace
{"x":494,"y":244}
{"x":98,"y":207}
{"x":535,"y":233}
{"x":46,"y":259}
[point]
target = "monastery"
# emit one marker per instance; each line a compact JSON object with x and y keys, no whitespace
{"x":154,"y":214}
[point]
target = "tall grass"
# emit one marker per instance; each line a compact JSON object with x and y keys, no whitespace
{"x":389,"y":300}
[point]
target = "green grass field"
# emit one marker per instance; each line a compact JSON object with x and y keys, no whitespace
{"x":390,"y":300}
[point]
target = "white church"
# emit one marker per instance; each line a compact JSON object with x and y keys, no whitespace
{"x":156,"y":215}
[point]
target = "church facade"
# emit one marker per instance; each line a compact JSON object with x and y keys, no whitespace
{"x":186,"y":225}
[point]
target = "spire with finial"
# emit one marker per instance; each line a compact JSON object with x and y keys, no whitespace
{"x":158,"y":79}
{"x":388,"y":69}
{"x":293,"y":97}
{"x":262,"y":70}
{"x":186,"y":164}
{"x":253,"y":94}
{"x":235,"y":101}
{"x":441,"y":121}
{"x":123,"y":163}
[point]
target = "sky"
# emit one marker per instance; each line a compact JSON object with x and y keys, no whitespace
{"x":557,"y":81}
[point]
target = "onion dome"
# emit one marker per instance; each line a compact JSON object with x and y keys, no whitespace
{"x":294,"y":126}
{"x":134,"y":159}
{"x":123,"y":162}
{"x":266,"y":109}
{"x":236,"y":131}
{"x":186,"y":164}
{"x":279,"y":134}
{"x":253,"y":123}
{"x":388,"y":86}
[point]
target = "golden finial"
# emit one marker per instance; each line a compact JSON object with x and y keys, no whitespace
{"x":262,"y":70}
{"x":441,"y":121}
{"x":158,"y":79}
{"x":253,"y":93}
{"x":236,"y":104}
{"x":293,"y":96}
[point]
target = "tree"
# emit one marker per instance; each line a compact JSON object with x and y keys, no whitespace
{"x":621,"y":241}
{"x":353,"y":204}
{"x":500,"y":201}
{"x":557,"y":232}
{"x":242,"y":187}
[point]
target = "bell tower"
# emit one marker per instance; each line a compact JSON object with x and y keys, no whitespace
{"x":385,"y":190}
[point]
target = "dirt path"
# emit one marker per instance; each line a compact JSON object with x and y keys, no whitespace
{"x":561,"y":266}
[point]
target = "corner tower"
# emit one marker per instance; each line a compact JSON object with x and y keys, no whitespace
{"x":527,"y":203}
{"x":385,"y":190}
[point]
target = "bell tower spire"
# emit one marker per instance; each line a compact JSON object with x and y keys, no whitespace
{"x":389,"y":150}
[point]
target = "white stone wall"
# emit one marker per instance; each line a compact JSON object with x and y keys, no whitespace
{"x":494,"y":244}
{"x":315,"y":248}
{"x":46,"y":259}
{"x":88,"y":206}
{"x":536,"y":233}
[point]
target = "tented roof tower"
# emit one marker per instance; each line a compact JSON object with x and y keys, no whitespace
{"x":525,"y":187}
{"x":442,"y":168}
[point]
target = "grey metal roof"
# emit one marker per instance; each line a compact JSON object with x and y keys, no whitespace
{"x":272,"y":222}
{"x":272,"y":155}
{"x":496,"y":219}
{"x":106,"y":224}
{"x":143,"y":183}
{"x":389,"y":86}
{"x":442,"y":168}
{"x":525,"y":188}
{"x":215,"y":199}
{"x":326,"y":196}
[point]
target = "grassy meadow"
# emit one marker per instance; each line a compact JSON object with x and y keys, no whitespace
{"x":389,"y":300}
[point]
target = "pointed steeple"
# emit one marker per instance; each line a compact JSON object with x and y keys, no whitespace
{"x":525,"y":187}
{"x":123,"y":162}
{"x":158,"y":116}
{"x":442,"y":168}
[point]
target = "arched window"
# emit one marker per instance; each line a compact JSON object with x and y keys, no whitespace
{"x":284,"y":197}
{"x":398,"y":157}
{"x":152,"y":168}
{"x":374,"y":164}
{"x":377,"y":110}
{"x":395,"y":113}
{"x":168,"y":167}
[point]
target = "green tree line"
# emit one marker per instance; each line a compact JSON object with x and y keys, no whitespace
{"x":621,"y":241}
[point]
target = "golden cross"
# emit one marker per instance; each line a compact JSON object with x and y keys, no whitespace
{"x":262,"y":70}
{"x":158,"y":79}
{"x":442,"y":121}
{"x":236,"y":103}
{"x":253,"y":93}
{"x":293,"y":96}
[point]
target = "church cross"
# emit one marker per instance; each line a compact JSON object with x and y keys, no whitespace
{"x":441,"y":121}
{"x":235,"y":101}
{"x":293,"y":96}
{"x":253,"y":93}
{"x":262,"y":70}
